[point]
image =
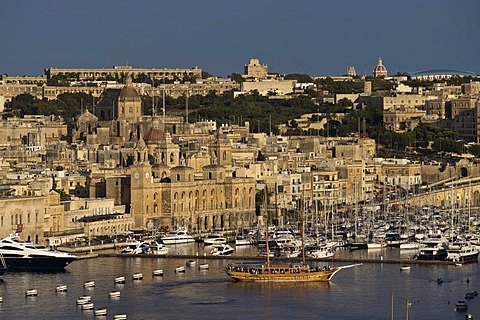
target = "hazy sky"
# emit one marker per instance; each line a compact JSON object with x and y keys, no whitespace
{"x":318,"y":37}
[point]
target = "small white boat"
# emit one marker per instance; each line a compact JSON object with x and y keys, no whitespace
{"x":100,"y":312}
{"x":120,"y":317}
{"x":461,"y":305}
{"x":191,"y":263}
{"x":114,"y":294}
{"x":61,"y":288}
{"x":1,"y":299}
{"x":180,"y":269}
{"x":137,"y":276}
{"x":84,"y":299}
{"x":89,"y":284}
{"x":405,"y":268}
{"x":203,"y":266}
{"x":31,"y":292}
{"x":87,"y":306}
{"x":119,"y":280}
{"x":222,"y":250}
{"x":158,"y":273}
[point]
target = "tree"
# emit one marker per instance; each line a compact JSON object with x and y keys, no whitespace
{"x":206,"y":74}
{"x":300,"y":77}
{"x":237,"y":77}
{"x":474,"y":149}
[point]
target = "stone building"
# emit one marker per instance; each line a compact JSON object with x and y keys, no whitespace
{"x":254,"y":69}
{"x":180,"y":198}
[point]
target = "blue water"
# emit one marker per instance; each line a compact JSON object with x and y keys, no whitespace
{"x":362,"y":292}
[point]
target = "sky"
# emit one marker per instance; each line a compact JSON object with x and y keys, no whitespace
{"x":316,"y":37}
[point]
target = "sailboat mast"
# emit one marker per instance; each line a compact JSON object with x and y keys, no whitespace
{"x":302,"y":212}
{"x":266,"y":226}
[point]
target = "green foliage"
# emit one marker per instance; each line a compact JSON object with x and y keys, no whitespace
{"x":447,"y":145}
{"x":339,"y":86}
{"x":206,"y":74}
{"x":300,"y":77}
{"x":67,"y":105}
{"x":237,"y":77}
{"x":474,"y":149}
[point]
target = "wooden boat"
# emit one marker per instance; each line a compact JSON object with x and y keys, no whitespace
{"x":100,"y":312}
{"x":119,"y":280}
{"x":31,"y":292}
{"x":281,"y":272}
{"x":158,"y":273}
{"x":137,"y":276}
{"x":61,"y":288}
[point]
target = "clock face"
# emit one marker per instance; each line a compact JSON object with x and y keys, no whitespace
{"x":136,"y":175}
{"x":147,"y":175}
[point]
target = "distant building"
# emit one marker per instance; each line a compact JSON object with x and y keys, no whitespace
{"x":254,"y":69}
{"x":380,"y":70}
{"x":351,"y":71}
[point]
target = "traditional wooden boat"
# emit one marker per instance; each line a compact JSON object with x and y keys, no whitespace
{"x":280,"y":272}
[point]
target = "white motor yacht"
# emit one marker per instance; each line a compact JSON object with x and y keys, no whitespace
{"x":462,"y":252}
{"x":222,"y":250}
{"x":177,"y":237}
{"x":214,"y":238}
{"x":24,"y":256}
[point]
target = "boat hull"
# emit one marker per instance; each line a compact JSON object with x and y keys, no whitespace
{"x":177,"y":241}
{"x":469,"y":258}
{"x":279,"y":273}
{"x":38,"y":263}
{"x":300,"y":277}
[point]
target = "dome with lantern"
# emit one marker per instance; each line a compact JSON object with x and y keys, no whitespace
{"x":380,"y":70}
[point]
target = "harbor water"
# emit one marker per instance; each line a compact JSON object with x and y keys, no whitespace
{"x":362,"y":292}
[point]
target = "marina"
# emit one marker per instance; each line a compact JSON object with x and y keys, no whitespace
{"x":185,"y":295}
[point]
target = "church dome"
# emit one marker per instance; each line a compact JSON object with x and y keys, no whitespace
{"x":129,"y":92}
{"x":380,"y":69}
{"x":154,"y":135}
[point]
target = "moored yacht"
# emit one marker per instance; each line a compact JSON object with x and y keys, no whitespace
{"x":462,"y":252}
{"x":25,"y":256}
{"x":177,"y":237}
{"x":433,"y":248}
{"x":214,"y":238}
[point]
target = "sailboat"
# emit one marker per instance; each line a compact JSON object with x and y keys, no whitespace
{"x":266,"y":271}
